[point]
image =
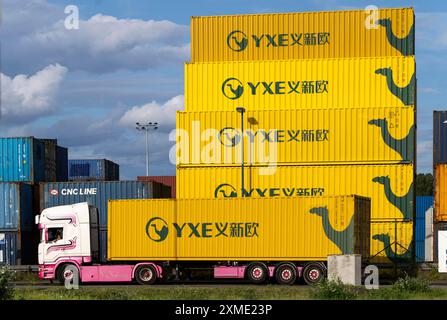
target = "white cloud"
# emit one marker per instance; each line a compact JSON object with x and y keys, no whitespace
{"x":154,"y":112}
{"x":24,"y":97}
{"x":101,"y":44}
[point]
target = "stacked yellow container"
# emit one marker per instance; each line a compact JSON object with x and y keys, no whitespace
{"x":312,"y":104}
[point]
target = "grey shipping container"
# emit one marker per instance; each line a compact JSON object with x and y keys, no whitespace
{"x":439,"y":137}
{"x":61,"y":164}
{"x":18,"y":248}
{"x":22,"y":159}
{"x":92,"y":170}
{"x":97,"y":193}
{"x":16,"y":206}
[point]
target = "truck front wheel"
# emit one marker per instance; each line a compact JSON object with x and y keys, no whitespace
{"x":146,"y":274}
{"x":68,"y":273}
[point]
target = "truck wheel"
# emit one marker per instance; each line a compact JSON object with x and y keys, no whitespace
{"x":314,"y":273}
{"x":286,"y":274}
{"x":146,"y":274}
{"x":256,"y":273}
{"x":67,"y":272}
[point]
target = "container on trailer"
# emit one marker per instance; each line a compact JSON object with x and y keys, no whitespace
{"x":390,"y":187}
{"x":166,"y":180}
{"x":22,"y":159}
{"x":92,"y":170}
{"x":16,"y":206}
{"x":18,"y":248}
{"x":355,"y":135}
{"x":97,"y":193}
{"x":423,"y":204}
{"x":61,"y":164}
{"x":50,"y":159}
{"x":334,"y":34}
{"x":301,"y":84}
{"x":391,"y":241}
{"x":308,"y":228}
{"x":440,"y":137}
{"x":440,"y":192}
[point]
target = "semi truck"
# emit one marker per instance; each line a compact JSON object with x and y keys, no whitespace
{"x":279,"y":239}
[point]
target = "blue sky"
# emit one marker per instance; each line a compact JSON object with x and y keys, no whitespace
{"x":94,"y":90}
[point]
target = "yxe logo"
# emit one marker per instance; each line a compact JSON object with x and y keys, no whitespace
{"x":226,"y":190}
{"x":157,"y":229}
{"x":237,"y":41}
{"x":229,"y":137}
{"x":233,"y":88}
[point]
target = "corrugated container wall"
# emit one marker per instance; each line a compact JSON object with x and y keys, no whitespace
{"x":50,"y":159}
{"x":392,"y":241}
{"x":440,"y":192}
{"x":301,"y":84}
{"x":97,"y":193}
{"x":390,"y":187}
{"x":423,"y":204}
{"x":16,"y":206}
{"x":92,"y":170}
{"x":22,"y":160}
{"x":336,"y":34}
{"x":18,"y":248}
{"x":61,"y":164}
{"x":439,"y":137}
{"x":166,"y":180}
{"x":303,"y":229}
{"x":355,"y":135}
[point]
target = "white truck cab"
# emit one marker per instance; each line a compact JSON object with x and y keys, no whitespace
{"x":67,"y":234}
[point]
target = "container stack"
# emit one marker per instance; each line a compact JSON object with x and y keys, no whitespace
{"x":440,"y":174}
{"x":296,"y":104}
{"x":24,"y":162}
{"x":93,"y":170}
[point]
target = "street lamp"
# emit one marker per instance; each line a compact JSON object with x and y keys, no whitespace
{"x":147,"y":127}
{"x":241,"y":110}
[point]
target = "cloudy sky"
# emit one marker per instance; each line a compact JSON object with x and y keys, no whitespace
{"x":88,"y":87}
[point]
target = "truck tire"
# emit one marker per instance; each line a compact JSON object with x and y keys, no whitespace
{"x":314,"y":273}
{"x":286,"y":274}
{"x":257,"y":273}
{"x":146,"y":274}
{"x":67,"y":272}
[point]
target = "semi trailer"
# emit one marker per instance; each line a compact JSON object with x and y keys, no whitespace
{"x":282,"y":239}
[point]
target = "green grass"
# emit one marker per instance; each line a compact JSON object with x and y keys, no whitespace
{"x":245,"y":292}
{"x":165,"y":293}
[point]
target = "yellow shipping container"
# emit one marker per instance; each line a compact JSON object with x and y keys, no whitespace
{"x":355,"y":135}
{"x":277,"y":229}
{"x":391,"y":241}
{"x":390,"y":187}
{"x":300,"y":84}
{"x":336,"y":34}
{"x":440,"y":193}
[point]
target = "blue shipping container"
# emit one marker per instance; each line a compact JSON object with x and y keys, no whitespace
{"x":61,"y":164}
{"x":90,"y":170}
{"x":22,"y":160}
{"x":18,"y":248}
{"x":423,"y":203}
{"x":16,"y":206}
{"x":97,"y":193}
{"x":439,"y":137}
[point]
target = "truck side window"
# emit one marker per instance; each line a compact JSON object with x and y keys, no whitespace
{"x":55,"y":234}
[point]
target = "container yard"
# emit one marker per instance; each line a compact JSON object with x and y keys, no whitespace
{"x":229,"y":148}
